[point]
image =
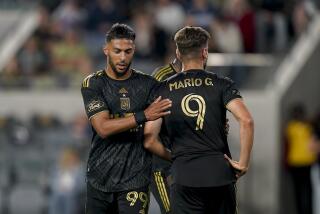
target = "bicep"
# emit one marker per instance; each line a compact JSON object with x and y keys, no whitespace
{"x":98,"y":119}
{"x":94,"y":102}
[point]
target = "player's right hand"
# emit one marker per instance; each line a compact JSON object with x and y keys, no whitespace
{"x":158,"y":108}
{"x":240,"y":170}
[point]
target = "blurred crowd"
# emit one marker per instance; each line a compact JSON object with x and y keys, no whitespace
{"x":42,"y":164}
{"x":66,"y":46}
{"x":302,"y":159}
{"x":42,"y":159}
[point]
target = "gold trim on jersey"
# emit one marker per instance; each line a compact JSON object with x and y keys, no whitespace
{"x":140,"y":72}
{"x":161,"y":71}
{"x":160,"y":77}
{"x":165,"y":74}
{"x":235,"y":195}
{"x":86,"y":80}
{"x":97,"y":114}
{"x":162,"y":191}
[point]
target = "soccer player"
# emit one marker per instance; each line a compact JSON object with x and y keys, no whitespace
{"x":203,"y":172}
{"x":161,"y":173}
{"x":117,"y":101}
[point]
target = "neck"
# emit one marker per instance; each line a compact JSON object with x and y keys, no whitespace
{"x":176,"y":64}
{"x":192,"y":65}
{"x":112,"y":74}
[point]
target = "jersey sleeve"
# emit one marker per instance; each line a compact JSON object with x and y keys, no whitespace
{"x":156,"y":71}
{"x":229,"y":91}
{"x":154,"y":91}
{"x":162,"y":73}
{"x":92,"y":97}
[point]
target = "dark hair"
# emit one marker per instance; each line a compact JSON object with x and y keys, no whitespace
{"x":190,"y":40}
{"x":120,"y":31}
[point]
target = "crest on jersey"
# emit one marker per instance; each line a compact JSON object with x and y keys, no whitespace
{"x":125,"y":103}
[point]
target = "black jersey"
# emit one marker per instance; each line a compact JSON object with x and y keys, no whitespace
{"x":118,"y":162}
{"x":196,"y":127}
{"x":161,"y":74}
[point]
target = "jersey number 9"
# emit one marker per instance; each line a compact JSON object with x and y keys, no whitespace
{"x":199,"y":113}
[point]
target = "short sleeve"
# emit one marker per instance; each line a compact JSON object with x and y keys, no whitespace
{"x":92,"y":97}
{"x":154,"y":91}
{"x":229,"y":91}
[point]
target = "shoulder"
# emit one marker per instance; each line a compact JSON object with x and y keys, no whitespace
{"x":159,"y":70}
{"x":224,"y":80}
{"x":144,"y":76}
{"x":141,"y":74}
{"x":93,"y":79}
{"x":211,"y":74}
{"x":162,"y":73}
{"x":173,"y":77}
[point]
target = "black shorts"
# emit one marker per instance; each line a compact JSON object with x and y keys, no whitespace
{"x":203,"y":200}
{"x":160,"y":190}
{"x":125,"y":202}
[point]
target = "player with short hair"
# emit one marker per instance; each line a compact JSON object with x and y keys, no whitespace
{"x":117,"y":102}
{"x":203,"y":172}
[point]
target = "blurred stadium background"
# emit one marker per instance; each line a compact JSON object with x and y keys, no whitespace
{"x":271,"y":48}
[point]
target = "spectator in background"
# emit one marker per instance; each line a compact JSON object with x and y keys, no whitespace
{"x":69,"y":15}
{"x":271,"y":27}
{"x":69,"y":55}
{"x":300,"y":158}
{"x":228,"y":39}
{"x":142,"y":23}
{"x":227,"y":35}
{"x":241,"y":13}
{"x":168,"y":15}
{"x":301,"y":17}
{"x":152,"y":41}
{"x":11,"y":75}
{"x":101,"y":15}
{"x":67,"y":184}
{"x":202,"y":13}
{"x":31,"y":59}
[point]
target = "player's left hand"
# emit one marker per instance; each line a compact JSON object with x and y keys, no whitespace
{"x":240,"y":170}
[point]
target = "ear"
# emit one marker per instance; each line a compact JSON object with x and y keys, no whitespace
{"x":205,"y":53}
{"x":178,"y":54}
{"x":105,"y":50}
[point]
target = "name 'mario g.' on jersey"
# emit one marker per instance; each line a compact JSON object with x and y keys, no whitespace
{"x":196,"y":127}
{"x":118,"y":162}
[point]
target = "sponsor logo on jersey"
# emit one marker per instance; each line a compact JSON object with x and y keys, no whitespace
{"x":123,"y":91}
{"x":95,"y":105}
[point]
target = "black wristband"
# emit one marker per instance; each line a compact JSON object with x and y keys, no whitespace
{"x":140,"y":117}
